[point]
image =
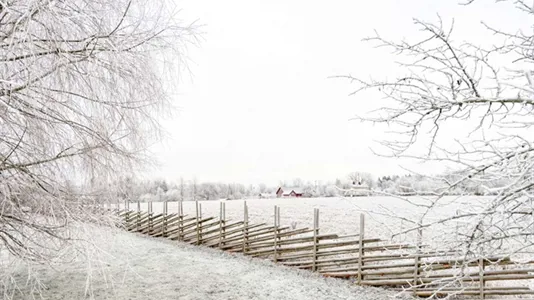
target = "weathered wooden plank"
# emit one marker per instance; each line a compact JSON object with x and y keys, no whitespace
{"x":178,"y":226}
{"x":473,"y":293}
{"x":161,"y":228}
{"x":258,"y":238}
{"x":149,"y":223}
{"x":405,"y":256}
{"x":145,"y":216}
{"x":174,"y":221}
{"x":215,"y":232}
{"x":191,"y":237}
{"x":193,"y":231}
{"x":354,"y":259}
{"x":427,"y":281}
{"x":264,"y":235}
{"x":193,"y":224}
{"x":465,"y":288}
{"x":157,"y":226}
{"x":168,"y":223}
{"x":135,"y":220}
{"x":235,"y":240}
{"x":225,"y":227}
{"x":436,"y":265}
{"x":324,"y":252}
{"x":299,"y":240}
{"x":450,"y":275}
{"x":233,"y":235}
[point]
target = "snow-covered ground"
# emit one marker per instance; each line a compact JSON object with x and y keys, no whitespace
{"x":131,"y":266}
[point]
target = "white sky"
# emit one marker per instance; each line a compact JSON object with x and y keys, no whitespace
{"x":259,"y":106}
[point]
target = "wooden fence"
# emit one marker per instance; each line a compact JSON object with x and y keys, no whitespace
{"x":369,"y":261}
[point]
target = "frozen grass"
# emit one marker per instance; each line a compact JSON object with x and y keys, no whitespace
{"x":130,"y":266}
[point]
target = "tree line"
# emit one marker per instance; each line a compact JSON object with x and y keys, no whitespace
{"x":189,"y":190}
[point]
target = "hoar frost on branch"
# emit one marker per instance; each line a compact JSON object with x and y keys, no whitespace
{"x":80,"y":99}
{"x":484,"y":94}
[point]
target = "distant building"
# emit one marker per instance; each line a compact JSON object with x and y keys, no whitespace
{"x":267,"y":195}
{"x":357,"y":188}
{"x":289,"y":192}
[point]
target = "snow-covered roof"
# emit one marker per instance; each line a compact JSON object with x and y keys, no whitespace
{"x":360,"y":186}
{"x":287,"y":190}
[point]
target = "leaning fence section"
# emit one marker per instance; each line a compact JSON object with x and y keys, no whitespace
{"x":368,"y":261}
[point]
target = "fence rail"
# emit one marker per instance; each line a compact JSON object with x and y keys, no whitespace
{"x":369,"y":261}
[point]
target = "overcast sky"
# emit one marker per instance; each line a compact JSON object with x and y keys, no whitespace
{"x":259,"y":105}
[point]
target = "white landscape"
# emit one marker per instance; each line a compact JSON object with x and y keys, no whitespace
{"x":359,"y":150}
{"x":127,"y":266}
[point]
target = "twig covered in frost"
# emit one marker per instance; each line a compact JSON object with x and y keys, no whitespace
{"x":451,"y":85}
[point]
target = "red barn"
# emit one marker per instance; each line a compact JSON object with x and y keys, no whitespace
{"x":289,"y":192}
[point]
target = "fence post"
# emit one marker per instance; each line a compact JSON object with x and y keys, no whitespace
{"x":482,"y":282}
{"x":279,"y":222}
{"x":315,"y":238}
{"x":417,"y":259}
{"x":165,"y":212}
{"x":222,"y":223}
{"x":181,"y":224}
{"x":360,"y":248}
{"x":137,"y":225}
{"x":127,"y":209}
{"x":197,"y":222}
{"x":200,"y":224}
{"x":224,"y":218}
{"x":275,"y":234}
{"x":245,"y":227}
{"x":276,"y":224}
{"x":150,"y":214}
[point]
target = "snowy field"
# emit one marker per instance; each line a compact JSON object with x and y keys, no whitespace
{"x":130,"y":266}
{"x":337,"y":215}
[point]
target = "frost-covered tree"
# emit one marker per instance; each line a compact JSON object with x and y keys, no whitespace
{"x":358,"y":178}
{"x":331,"y":191}
{"x":470,"y":106}
{"x":182,"y":188}
{"x":298,"y":182}
{"x":80,"y":99}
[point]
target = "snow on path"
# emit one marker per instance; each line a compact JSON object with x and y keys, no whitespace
{"x":149,"y":268}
